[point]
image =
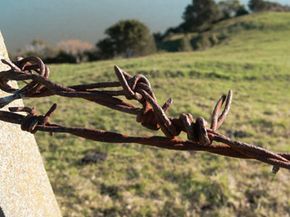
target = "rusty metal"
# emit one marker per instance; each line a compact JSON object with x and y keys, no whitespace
{"x":151,"y":115}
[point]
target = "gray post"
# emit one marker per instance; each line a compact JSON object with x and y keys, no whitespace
{"x":25,"y":190}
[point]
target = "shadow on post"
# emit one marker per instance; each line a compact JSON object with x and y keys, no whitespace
{"x":1,"y":212}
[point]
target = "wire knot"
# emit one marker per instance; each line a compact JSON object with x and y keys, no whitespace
{"x":133,"y":85}
{"x":151,"y":115}
{"x":21,"y":71}
{"x":196,"y":131}
{"x":32,"y":120}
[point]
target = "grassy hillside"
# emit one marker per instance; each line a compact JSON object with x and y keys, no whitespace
{"x":236,"y":31}
{"x":142,"y":181}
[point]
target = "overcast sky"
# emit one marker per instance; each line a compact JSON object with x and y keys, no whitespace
{"x":21,"y":21}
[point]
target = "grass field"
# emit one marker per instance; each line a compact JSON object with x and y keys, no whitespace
{"x":135,"y":180}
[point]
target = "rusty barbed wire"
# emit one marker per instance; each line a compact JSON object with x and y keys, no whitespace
{"x":151,"y":115}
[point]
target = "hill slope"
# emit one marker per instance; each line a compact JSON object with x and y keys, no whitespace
{"x":263,"y":28}
{"x":139,"y":181}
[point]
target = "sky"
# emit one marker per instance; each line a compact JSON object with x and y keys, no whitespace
{"x":56,"y":20}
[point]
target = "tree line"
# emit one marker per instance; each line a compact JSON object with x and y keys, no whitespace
{"x":131,"y":38}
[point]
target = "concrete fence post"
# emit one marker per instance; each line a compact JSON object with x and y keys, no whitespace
{"x":25,"y":190}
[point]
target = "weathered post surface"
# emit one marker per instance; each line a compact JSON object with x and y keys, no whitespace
{"x":25,"y":190}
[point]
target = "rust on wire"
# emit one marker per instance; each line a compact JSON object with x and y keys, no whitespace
{"x":150,"y":114}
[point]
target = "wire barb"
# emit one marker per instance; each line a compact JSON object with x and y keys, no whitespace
{"x":219,"y":117}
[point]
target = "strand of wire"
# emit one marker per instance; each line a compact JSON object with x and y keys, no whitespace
{"x":151,"y":115}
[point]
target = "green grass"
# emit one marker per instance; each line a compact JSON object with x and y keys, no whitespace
{"x":141,"y":181}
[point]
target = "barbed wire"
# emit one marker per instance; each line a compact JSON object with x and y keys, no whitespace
{"x":150,"y":114}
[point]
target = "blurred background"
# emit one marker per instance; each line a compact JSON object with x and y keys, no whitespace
{"x":192,"y":51}
{"x":62,"y":30}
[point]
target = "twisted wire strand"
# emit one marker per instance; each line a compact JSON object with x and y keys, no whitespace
{"x":151,"y":115}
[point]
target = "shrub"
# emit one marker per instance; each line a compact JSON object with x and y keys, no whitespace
{"x":200,"y":15}
{"x":127,"y":38}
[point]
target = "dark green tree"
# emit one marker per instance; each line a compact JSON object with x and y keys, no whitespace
{"x":106,"y":48}
{"x":200,"y":15}
{"x":256,"y":5}
{"x":127,"y":38}
{"x":260,"y":5}
{"x":242,"y":11}
{"x":231,"y":8}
